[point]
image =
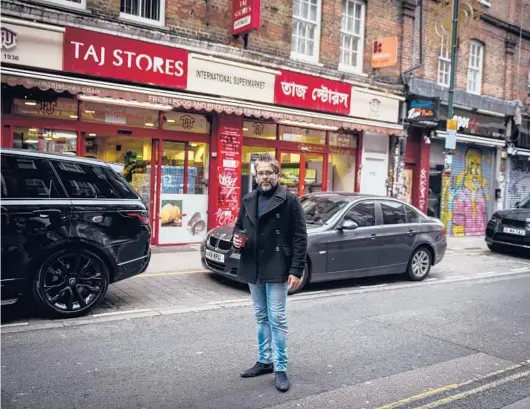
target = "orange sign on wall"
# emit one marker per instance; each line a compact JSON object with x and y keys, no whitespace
{"x":384,"y":52}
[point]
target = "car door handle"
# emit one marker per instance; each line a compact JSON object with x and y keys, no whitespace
{"x":412,"y":231}
{"x":373,"y":236}
{"x":45,"y":213}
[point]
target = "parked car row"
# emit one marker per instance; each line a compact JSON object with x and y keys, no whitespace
{"x":70,"y":227}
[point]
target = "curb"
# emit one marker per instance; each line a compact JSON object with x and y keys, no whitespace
{"x":218,"y":305}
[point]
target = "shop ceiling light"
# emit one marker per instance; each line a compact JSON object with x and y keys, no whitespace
{"x":32,"y":103}
{"x":31,"y":141}
{"x":193,"y":144}
{"x":126,"y":103}
{"x":91,"y":134}
{"x":149,"y":124}
{"x":73,"y":116}
{"x":87,"y":111}
{"x":33,"y":129}
{"x":170,"y":121}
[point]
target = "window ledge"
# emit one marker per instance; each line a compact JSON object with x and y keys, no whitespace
{"x":141,"y":20}
{"x":306,"y":59}
{"x":65,"y":4}
{"x":351,"y":70}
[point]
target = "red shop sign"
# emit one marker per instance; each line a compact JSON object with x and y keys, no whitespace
{"x":318,"y":94}
{"x":229,"y":169}
{"x":245,"y":16}
{"x":104,"y":55}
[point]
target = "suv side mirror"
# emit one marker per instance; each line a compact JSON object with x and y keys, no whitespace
{"x":348,"y":224}
{"x":517,"y":204}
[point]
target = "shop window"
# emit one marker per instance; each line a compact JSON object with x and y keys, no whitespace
{"x":143,"y":11}
{"x":343,"y":140}
{"x":45,"y":140}
{"x":60,"y":108}
{"x":260,"y":130}
{"x":184,"y":122}
{"x":28,"y":178}
{"x":342,"y":172}
{"x":183,"y":203}
{"x":302,"y":135}
{"x":119,"y":115}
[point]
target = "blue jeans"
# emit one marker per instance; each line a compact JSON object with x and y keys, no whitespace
{"x":269,"y":301}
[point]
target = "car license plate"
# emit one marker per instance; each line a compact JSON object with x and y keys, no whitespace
{"x":519,"y":232}
{"x":212,"y":255}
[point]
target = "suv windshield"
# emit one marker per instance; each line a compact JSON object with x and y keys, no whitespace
{"x":525,"y":203}
{"x":319,"y":210}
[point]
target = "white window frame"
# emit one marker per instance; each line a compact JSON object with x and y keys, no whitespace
{"x":473,"y":68}
{"x":303,"y":57}
{"x":142,"y":20}
{"x":444,"y":58}
{"x":358,"y":68}
{"x":66,"y":4}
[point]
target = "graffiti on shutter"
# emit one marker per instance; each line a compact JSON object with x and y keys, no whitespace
{"x":466,"y":194}
{"x":519,"y":184}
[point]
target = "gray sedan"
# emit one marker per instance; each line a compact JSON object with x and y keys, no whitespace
{"x":350,"y":235}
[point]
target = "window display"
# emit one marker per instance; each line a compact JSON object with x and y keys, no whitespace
{"x":45,"y":140}
{"x":301,"y":135}
{"x":119,"y":115}
{"x":183,"y":193}
{"x":260,"y":130}
{"x":61,"y":108}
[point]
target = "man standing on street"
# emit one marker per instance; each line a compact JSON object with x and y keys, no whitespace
{"x":271,"y":232}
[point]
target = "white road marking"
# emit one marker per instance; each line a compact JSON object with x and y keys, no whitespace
{"x":107,"y":314}
{"x":17,"y":324}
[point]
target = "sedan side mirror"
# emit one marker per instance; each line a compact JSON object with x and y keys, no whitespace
{"x":348,"y":224}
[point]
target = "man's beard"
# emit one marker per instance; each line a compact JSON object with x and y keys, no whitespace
{"x":266,"y":186}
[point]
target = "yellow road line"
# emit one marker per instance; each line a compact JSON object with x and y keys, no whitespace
{"x":445,"y":388}
{"x":171,"y":273}
{"x":474,"y":391}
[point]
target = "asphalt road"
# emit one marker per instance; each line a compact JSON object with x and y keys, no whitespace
{"x":451,"y":345}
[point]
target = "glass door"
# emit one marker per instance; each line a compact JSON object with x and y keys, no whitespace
{"x":183,"y":198}
{"x":303,"y":173}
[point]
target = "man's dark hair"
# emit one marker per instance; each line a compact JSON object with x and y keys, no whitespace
{"x":267,"y":158}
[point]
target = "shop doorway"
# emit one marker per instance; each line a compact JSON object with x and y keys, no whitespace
{"x":182,"y":206}
{"x":250,"y":153}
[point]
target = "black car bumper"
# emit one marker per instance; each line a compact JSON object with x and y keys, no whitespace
{"x":227,"y":268}
{"x":132,"y":267}
{"x":501,"y":234}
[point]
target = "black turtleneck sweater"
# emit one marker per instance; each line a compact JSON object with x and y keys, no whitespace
{"x":263,"y":198}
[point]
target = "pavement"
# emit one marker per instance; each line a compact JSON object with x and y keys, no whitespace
{"x":176,"y":281}
{"x":446,"y":344}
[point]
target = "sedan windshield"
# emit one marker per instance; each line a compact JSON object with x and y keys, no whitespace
{"x":319,"y":210}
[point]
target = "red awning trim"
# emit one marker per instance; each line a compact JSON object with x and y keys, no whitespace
{"x":192,"y":103}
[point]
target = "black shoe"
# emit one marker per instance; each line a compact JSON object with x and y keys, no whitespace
{"x":282,"y":382}
{"x":257,"y":370}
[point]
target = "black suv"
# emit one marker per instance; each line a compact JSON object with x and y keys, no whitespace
{"x":510,"y":228}
{"x":70,"y":226}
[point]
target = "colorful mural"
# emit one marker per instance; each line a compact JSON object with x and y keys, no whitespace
{"x":465,"y":193}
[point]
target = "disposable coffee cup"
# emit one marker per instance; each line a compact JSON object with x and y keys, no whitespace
{"x":242,"y":236}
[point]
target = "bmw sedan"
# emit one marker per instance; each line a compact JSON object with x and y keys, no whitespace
{"x":350,"y":235}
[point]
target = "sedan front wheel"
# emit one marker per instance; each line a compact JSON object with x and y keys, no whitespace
{"x":420,"y":264}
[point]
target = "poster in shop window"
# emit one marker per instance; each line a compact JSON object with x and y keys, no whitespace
{"x":230,"y":145}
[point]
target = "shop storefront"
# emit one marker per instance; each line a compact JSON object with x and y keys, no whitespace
{"x":141,"y":107}
{"x":518,"y":173}
{"x":421,"y":184}
{"x":468,"y":194}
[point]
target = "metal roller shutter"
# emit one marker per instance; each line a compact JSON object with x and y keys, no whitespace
{"x":467,"y":204}
{"x":518,"y":186}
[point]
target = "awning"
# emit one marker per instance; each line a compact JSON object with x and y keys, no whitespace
{"x":477,"y":140}
{"x":114,"y":92}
